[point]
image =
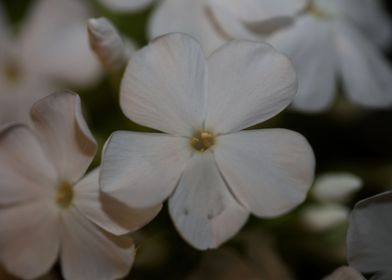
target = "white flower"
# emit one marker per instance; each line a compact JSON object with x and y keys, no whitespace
{"x":328,"y":40}
{"x":213,"y":173}
{"x":111,"y":49}
{"x":50,"y":50}
{"x":369,"y":239}
{"x":47,"y":210}
{"x":345,"y":273}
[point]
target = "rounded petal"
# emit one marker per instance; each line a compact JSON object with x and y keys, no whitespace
{"x":164,"y":85}
{"x":248,"y":83}
{"x":54,"y":41}
{"x":25,"y":171}
{"x":367,"y":75}
{"x":90,"y":253}
{"x":202,"y":208}
{"x":187,"y":16}
{"x":269,"y":171}
{"x":345,"y":273}
{"x":324,"y":217}
{"x":261,"y":10}
{"x":29,"y":238}
{"x":142,"y":169}
{"x":110,"y":214}
{"x":336,"y":187}
{"x":64,"y":134}
{"x":369,"y":236}
{"x":309,"y":43}
{"x":126,"y":5}
{"x":107,"y":43}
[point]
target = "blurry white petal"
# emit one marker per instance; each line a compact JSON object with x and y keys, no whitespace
{"x":126,"y":5}
{"x":324,"y":217}
{"x":107,"y":43}
{"x":192,"y":17}
{"x":142,"y":169}
{"x":202,"y":207}
{"x":367,"y":76}
{"x":336,"y":187}
{"x":369,"y":239}
{"x":64,"y":134}
{"x":164,"y":85}
{"x":29,"y":238}
{"x":54,"y":41}
{"x":261,"y":10}
{"x":269,"y":171}
{"x":248,"y":83}
{"x":345,"y":273}
{"x":107,"y":212}
{"x":90,"y":253}
{"x":309,"y":44}
{"x":25,"y":171}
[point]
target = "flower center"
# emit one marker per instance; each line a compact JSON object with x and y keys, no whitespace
{"x":202,"y":140}
{"x":64,"y":195}
{"x":314,"y":10}
{"x":12,"y":72}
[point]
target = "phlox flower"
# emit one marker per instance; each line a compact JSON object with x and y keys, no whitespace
{"x":47,"y":209}
{"x":369,"y":237}
{"x":213,"y":173}
{"x":327,"y":40}
{"x":50,"y":50}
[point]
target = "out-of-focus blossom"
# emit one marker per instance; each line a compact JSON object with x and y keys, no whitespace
{"x":369,"y":239}
{"x":213,"y":173}
{"x":330,"y":191}
{"x":47,"y":210}
{"x":126,"y":5}
{"x":327,"y":40}
{"x":108,"y":44}
{"x":51,"y":50}
{"x":345,"y":273}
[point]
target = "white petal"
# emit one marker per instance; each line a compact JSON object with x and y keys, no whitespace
{"x":25,"y":171}
{"x":107,"y":212}
{"x":324,"y":217}
{"x":126,"y":5}
{"x":248,"y":83}
{"x":186,"y":16}
{"x":29,"y":238}
{"x":54,"y":41}
{"x":64,"y":134}
{"x":336,"y":187}
{"x":202,"y":208}
{"x":90,"y":253}
{"x":257,"y":11}
{"x":345,"y":273}
{"x":309,"y":43}
{"x":164,"y":85}
{"x":270,"y":171}
{"x":367,"y":76}
{"x":142,"y":169}
{"x":107,"y":43}
{"x":369,"y":236}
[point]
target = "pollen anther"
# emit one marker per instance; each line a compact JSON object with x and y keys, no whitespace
{"x":64,"y":195}
{"x":202,"y":140}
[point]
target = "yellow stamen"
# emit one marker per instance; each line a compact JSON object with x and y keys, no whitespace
{"x":315,"y":11}
{"x":12,"y":72}
{"x":202,"y":140}
{"x":64,"y":195}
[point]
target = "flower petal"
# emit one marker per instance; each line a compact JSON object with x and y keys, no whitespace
{"x":110,"y":214}
{"x":164,"y":85}
{"x":345,"y":273}
{"x":126,"y":5}
{"x":25,"y":171}
{"x":186,"y":16}
{"x":270,"y":171}
{"x":257,"y":11}
{"x":142,"y":169}
{"x":64,"y":134}
{"x":90,"y":253}
{"x":29,"y":238}
{"x":369,"y":236}
{"x":309,"y":43}
{"x":367,"y":75}
{"x":248,"y":83}
{"x":53,"y":41}
{"x":202,"y":207}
